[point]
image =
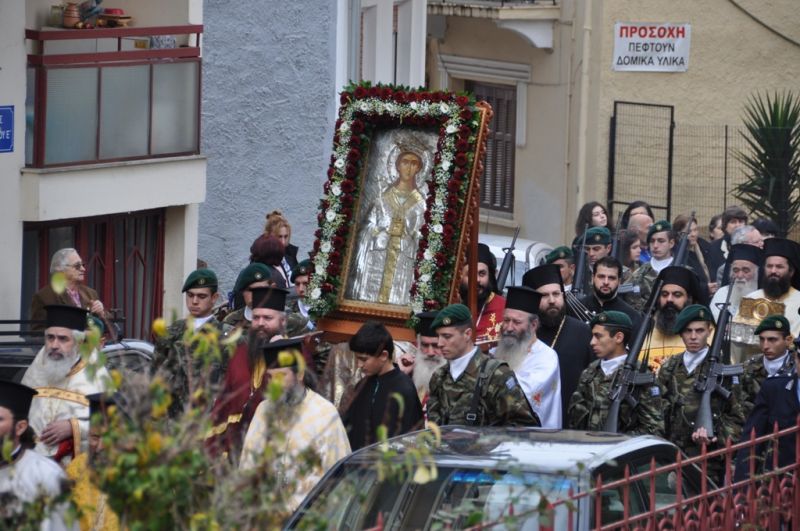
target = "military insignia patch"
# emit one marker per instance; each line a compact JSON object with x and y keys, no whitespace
{"x":446,"y":321}
{"x":597,"y":237}
{"x":510,"y":383}
{"x":778,"y":325}
{"x":202,"y":282}
{"x":258,"y":276}
{"x":655,"y":391}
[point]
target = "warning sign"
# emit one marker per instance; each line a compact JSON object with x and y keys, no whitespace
{"x":648,"y":47}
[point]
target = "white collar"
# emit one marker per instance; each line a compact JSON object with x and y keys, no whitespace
{"x":567,"y":288}
{"x":692,"y":359}
{"x":610,"y":366}
{"x":773,"y":366}
{"x":248,"y":313}
{"x":458,"y":366}
{"x":200,"y":321}
{"x":658,"y":265}
{"x":302,"y":308}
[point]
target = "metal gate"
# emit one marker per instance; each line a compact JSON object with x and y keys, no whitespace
{"x":641,"y":144}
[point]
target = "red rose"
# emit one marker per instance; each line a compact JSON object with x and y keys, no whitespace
{"x":427,"y":216}
{"x":327,"y":287}
{"x":420,"y":255}
{"x":351,"y":170}
{"x":338,"y":123}
{"x":327,"y":186}
{"x":320,"y":217}
{"x":338,"y":242}
{"x":354,"y":154}
{"x":413,"y":290}
{"x":360,"y":93}
{"x":461,"y":159}
{"x":462,"y":100}
{"x":448,"y":230}
{"x":436,"y":97}
{"x":454,"y":185}
{"x":462,"y":145}
{"x":347,"y":200}
{"x":355,"y":140}
{"x":335,"y":256}
{"x":466,"y":114}
{"x":431,"y":304}
{"x":357,"y":127}
{"x":331,"y":171}
{"x":344,"y":98}
{"x":316,"y":245}
{"x":342,"y":230}
{"x":348,"y":185}
{"x":450,"y":216}
{"x":333,"y":269}
{"x":441,"y":259}
{"x":459,"y":173}
{"x":424,"y":231}
{"x":400,"y":97}
{"x":386,"y":93}
{"x":452,"y":200}
{"x":374,"y":92}
{"x":318,"y":234}
{"x":347,"y":212}
{"x":464,"y":130}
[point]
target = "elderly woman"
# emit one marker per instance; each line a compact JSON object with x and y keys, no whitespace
{"x":67,"y":262}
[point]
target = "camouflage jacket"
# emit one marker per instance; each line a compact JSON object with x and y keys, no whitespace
{"x":754,"y":375}
{"x":236,"y":319}
{"x":681,"y":403}
{"x":588,"y":407}
{"x":644,"y":277}
{"x":178,"y":366}
{"x":501,"y":401}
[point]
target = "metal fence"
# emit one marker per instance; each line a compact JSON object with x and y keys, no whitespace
{"x":676,"y":168}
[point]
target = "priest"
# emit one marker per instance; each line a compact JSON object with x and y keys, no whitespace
{"x":60,"y":411}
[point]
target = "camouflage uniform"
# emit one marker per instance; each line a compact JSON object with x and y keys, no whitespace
{"x":754,"y":375}
{"x":172,"y":361}
{"x":588,"y":407}
{"x":681,"y":403}
{"x":644,"y":277}
{"x":501,"y":402}
{"x":236,"y":319}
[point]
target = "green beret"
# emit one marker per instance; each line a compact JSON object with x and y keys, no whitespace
{"x":200,"y":278}
{"x":255,"y":272}
{"x":690,"y":314}
{"x":658,"y":226}
{"x":598,"y":236}
{"x":302,"y":269}
{"x":773,"y":322}
{"x":559,"y":253}
{"x":612,"y":318}
{"x":453,"y":315}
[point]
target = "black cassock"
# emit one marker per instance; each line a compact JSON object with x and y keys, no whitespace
{"x":616,"y":304}
{"x":574,"y":353}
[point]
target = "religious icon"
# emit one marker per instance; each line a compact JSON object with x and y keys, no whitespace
{"x":391,"y":214}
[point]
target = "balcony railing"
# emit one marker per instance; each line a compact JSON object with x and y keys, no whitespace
{"x":104,"y":95}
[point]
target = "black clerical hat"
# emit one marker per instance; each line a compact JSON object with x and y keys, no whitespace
{"x":425,"y":322}
{"x":65,"y":316}
{"x":523,"y":298}
{"x":685,"y":278}
{"x":486,"y":256}
{"x":273,"y":350}
{"x":273,"y":298}
{"x":16,"y":398}
{"x":543,"y":275}
{"x":744,"y":251}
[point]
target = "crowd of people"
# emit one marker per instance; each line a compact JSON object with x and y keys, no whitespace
{"x":546,"y":353}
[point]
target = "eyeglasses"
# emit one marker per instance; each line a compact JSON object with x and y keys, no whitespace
{"x":78,"y":266}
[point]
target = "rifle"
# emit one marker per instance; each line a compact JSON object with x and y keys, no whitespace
{"x":712,"y":381}
{"x":579,"y":279}
{"x":508,"y":260}
{"x":628,"y":378}
{"x":616,"y":248}
{"x":682,"y":253}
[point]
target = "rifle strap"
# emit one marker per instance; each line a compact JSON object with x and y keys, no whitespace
{"x":485,"y":371}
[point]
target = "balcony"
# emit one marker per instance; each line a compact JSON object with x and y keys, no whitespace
{"x":109,"y":95}
{"x":533,"y":19}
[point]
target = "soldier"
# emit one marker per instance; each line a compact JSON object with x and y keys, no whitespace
{"x":564,"y":258}
{"x":661,"y":241}
{"x":172,"y":358}
{"x":598,"y":244}
{"x":300,"y":276}
{"x":472,"y":388}
{"x":588,"y":407}
{"x":677,"y":378}
{"x":255,"y":275}
{"x":776,"y":358}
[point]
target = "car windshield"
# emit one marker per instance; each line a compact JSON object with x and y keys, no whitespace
{"x":355,"y":498}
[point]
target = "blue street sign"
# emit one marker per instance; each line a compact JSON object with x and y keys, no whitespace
{"x":6,"y":129}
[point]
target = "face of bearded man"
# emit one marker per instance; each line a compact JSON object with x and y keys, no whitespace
{"x":666,"y":316}
{"x":62,"y":353}
{"x":265,"y":325}
{"x":740,"y":288}
{"x":484,"y":284}
{"x":551,"y":307}
{"x":424,"y":368}
{"x":777,"y":276}
{"x":513,"y":346}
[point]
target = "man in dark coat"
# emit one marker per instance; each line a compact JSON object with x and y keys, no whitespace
{"x":606,"y":277}
{"x":569,"y":337}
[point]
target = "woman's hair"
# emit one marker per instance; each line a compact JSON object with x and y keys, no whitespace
{"x":713,"y":223}
{"x":680,"y":223}
{"x":628,"y":238}
{"x":267,"y":250}
{"x":275,"y":222}
{"x":626,"y":216}
{"x":585,"y":217}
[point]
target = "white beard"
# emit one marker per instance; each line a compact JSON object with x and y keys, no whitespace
{"x":55,"y":371}
{"x":741,"y":289}
{"x":424,"y":369}
{"x":512,"y":350}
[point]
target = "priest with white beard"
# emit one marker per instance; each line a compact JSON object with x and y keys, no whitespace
{"x":744,"y":261}
{"x":428,"y":357}
{"x":533,"y":362}
{"x":60,"y":411}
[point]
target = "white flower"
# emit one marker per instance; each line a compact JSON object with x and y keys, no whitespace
{"x":364,"y":107}
{"x":425,"y":278}
{"x":325,"y":247}
{"x":344,"y":127}
{"x":339,"y":163}
{"x":330,"y":215}
{"x":445,"y":165}
{"x":438,"y":202}
{"x":414,"y":105}
{"x":316,"y":293}
{"x":451,"y":129}
{"x":428,"y":254}
{"x":438,"y":228}
{"x":319,"y":269}
{"x":389,"y":107}
{"x":336,"y":189}
{"x":444,"y":108}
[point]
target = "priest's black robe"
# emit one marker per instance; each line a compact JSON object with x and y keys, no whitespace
{"x":574,"y":353}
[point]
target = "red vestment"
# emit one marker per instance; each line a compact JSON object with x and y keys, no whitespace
{"x":490,"y":318}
